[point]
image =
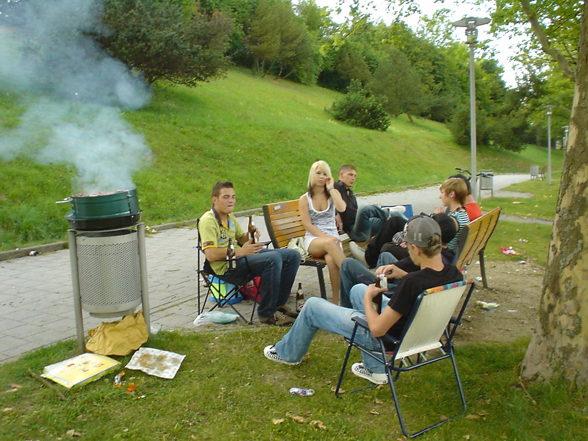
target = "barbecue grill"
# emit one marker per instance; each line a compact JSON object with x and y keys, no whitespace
{"x":107,"y":255}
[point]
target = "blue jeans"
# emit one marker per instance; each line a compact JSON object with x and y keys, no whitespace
{"x":356,"y":297}
{"x":353,"y":272}
{"x":318,"y":314}
{"x":277,"y":269}
{"x":368,"y":222}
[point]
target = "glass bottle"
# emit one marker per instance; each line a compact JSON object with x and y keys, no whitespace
{"x":231,"y":255}
{"x":381,"y":282}
{"x":252,"y":229}
{"x":299,"y":297}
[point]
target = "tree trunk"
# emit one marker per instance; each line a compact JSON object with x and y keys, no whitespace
{"x":559,"y":346}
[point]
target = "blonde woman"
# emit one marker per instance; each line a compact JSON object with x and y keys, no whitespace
{"x":318,"y":207}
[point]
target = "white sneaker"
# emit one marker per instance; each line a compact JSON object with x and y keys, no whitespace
{"x":271,"y":354}
{"x":361,"y":371}
{"x":357,"y":252}
{"x":397,"y":208}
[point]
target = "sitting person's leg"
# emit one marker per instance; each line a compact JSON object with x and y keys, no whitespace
{"x":329,"y":248}
{"x":393,"y":225}
{"x":357,"y":293}
{"x":352,"y":273}
{"x":318,"y":314}
{"x":386,"y":258}
{"x":290,"y":264}
{"x":268,"y":264}
{"x":368,"y":222}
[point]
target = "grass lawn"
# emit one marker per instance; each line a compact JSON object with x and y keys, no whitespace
{"x":542,"y":204}
{"x":529,"y":240}
{"x":261,"y":133}
{"x":227,"y":390}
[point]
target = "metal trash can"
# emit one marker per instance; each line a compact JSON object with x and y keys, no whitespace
{"x":486,"y":181}
{"x":109,"y":273}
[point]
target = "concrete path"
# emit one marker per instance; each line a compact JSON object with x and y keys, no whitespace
{"x":36,"y":296}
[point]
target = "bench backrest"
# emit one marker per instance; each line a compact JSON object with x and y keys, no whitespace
{"x":478,"y":233}
{"x":283,"y":222}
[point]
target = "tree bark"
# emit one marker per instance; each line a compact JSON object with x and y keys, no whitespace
{"x":559,"y":346}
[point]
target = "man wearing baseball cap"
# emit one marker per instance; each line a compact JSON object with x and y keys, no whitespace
{"x":423,"y":238}
{"x":353,"y":272}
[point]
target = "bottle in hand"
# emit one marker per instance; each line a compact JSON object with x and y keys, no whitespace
{"x":381,"y":282}
{"x":299,"y":298}
{"x":231,"y":255}
{"x":251,"y":229}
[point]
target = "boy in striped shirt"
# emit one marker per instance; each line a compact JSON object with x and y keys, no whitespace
{"x":453,"y":193}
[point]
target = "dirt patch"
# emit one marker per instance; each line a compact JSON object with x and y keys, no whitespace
{"x":517,"y":289}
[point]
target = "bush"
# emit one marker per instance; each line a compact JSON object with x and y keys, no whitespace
{"x":166,"y":39}
{"x":359,"y":108}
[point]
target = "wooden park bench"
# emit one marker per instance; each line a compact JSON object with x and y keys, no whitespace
{"x":283,"y":223}
{"x":474,"y":242}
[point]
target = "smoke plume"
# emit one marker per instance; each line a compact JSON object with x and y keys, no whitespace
{"x":73,"y":93}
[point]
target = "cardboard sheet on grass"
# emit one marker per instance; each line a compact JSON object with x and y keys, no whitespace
{"x":156,"y":362}
{"x":79,"y":370}
{"x":118,"y":338}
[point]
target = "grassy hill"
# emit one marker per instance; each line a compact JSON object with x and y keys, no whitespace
{"x":261,"y":133}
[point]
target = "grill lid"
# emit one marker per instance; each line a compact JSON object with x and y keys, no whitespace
{"x":122,"y":203}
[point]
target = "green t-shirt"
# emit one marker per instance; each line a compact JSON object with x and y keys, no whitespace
{"x":214,"y":234}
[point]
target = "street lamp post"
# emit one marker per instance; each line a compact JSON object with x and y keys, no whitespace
{"x":549,"y":111}
{"x":471,"y":24}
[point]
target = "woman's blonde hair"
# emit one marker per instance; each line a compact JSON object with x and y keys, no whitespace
{"x":322,"y":165}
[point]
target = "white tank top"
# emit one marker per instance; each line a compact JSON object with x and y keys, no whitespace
{"x":323,"y":220}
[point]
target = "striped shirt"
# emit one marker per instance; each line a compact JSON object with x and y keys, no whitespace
{"x":461,"y":215}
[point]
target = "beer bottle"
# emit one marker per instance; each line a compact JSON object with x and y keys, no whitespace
{"x":299,"y":297}
{"x":381,"y":282}
{"x":252,"y":229}
{"x":231,"y":255}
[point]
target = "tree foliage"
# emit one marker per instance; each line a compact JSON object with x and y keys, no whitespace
{"x":399,"y":82}
{"x":551,"y":24}
{"x":167,"y":39}
{"x":360,"y":108}
{"x":280,"y":42}
{"x":240,"y":12}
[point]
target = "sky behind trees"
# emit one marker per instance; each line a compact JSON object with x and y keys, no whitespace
{"x":379,"y":10}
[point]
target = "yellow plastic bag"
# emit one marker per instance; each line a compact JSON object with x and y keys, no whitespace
{"x":118,"y":338}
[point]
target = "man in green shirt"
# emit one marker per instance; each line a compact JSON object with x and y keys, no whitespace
{"x":277,"y":268}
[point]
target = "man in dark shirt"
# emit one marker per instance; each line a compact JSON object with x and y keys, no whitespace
{"x":359,"y":223}
{"x":423,"y":238}
{"x":354,"y":272}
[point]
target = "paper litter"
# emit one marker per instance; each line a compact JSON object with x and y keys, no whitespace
{"x":163,"y":364}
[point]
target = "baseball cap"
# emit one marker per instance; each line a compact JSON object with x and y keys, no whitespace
{"x":420,"y":231}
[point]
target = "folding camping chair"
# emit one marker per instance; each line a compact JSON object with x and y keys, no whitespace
{"x":428,"y":329}
{"x":225,"y":292}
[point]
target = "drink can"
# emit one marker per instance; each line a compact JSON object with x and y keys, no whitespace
{"x":302,"y":392}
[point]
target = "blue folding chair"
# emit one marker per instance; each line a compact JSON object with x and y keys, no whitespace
{"x":426,"y":338}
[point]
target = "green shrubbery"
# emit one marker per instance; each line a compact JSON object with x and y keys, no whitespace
{"x":359,"y":108}
{"x":166,"y":39}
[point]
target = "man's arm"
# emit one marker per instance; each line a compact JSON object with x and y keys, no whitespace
{"x":209,"y":235}
{"x":218,"y":253}
{"x":379,"y":324}
{"x":391,"y":271}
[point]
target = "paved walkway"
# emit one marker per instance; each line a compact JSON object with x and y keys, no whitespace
{"x":36,"y":297}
